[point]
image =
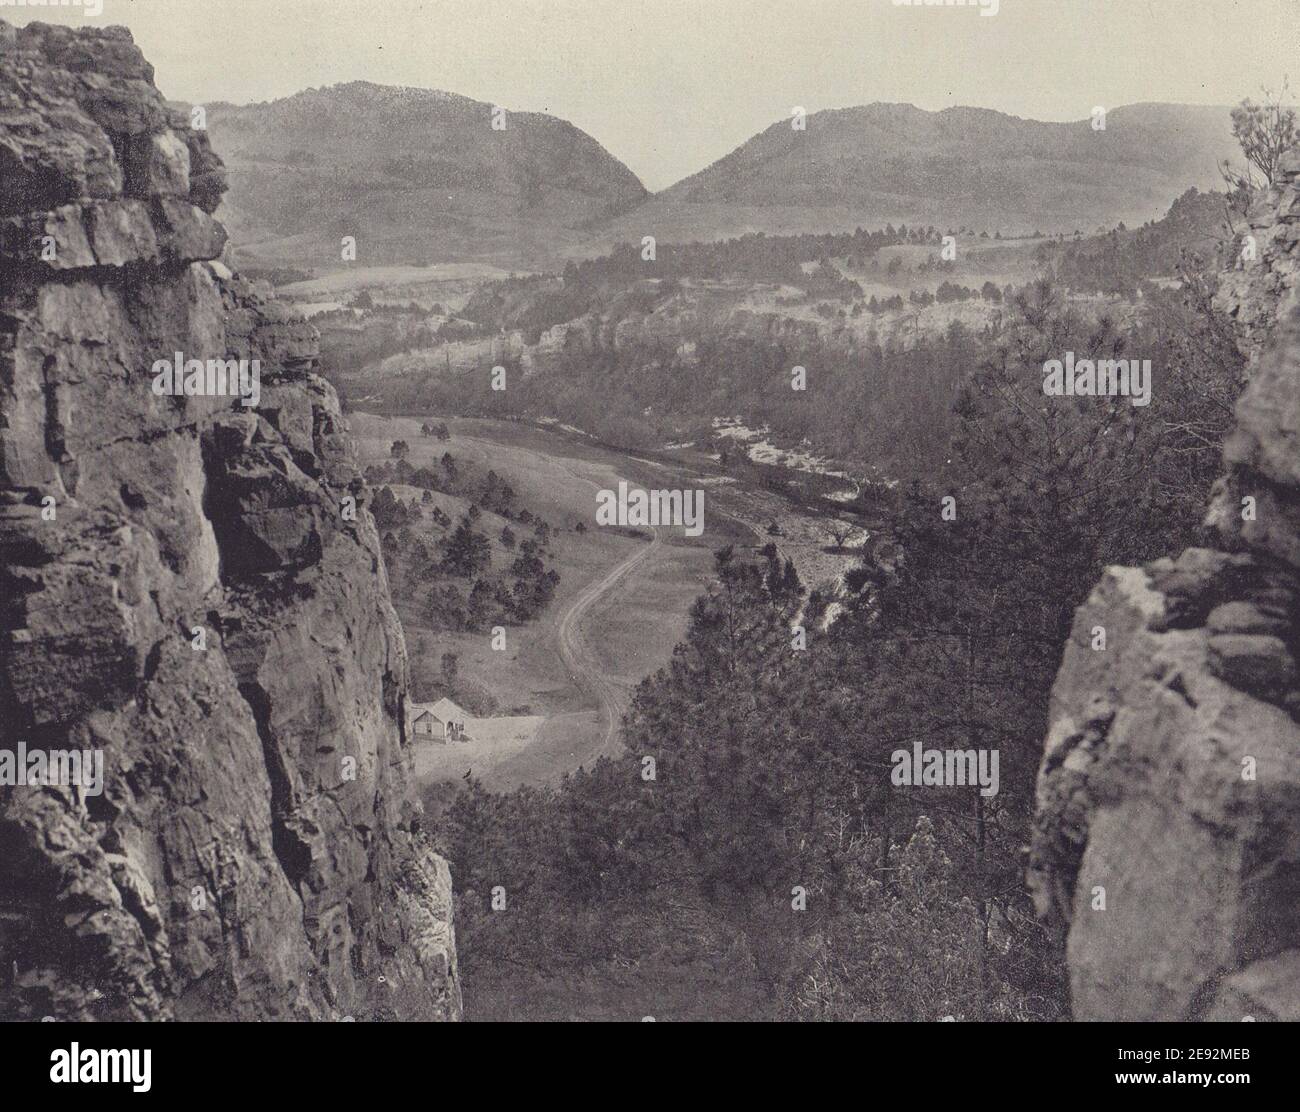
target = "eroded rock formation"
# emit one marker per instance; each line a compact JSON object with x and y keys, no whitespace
{"x":185,"y":589}
{"x":1267,"y":264}
{"x":1167,"y":841}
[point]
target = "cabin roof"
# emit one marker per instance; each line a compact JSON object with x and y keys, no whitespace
{"x":444,"y":710}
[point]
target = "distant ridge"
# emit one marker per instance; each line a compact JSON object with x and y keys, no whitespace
{"x":416,"y":175}
{"x":896,"y":163}
{"x":419,"y":176}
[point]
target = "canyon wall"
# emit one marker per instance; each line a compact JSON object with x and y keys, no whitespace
{"x":1167,"y":840}
{"x":193,"y":588}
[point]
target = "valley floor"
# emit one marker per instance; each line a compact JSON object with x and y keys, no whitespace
{"x":621,"y":604}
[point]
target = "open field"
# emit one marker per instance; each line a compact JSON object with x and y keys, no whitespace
{"x":622,"y":601}
{"x":573,"y":668}
{"x":350,"y":279}
{"x":492,"y":742}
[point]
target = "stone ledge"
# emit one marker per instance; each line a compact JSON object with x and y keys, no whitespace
{"x":115,"y":233}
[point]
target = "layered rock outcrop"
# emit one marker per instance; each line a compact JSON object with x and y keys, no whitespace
{"x":1167,"y":840}
{"x":1267,"y":264}
{"x":192,"y":587}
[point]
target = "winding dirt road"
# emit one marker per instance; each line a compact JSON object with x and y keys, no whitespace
{"x":580,"y":662}
{"x":583,"y":666}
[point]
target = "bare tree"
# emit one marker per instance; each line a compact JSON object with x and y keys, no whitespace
{"x":1266,"y":131}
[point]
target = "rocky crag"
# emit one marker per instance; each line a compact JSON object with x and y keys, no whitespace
{"x":1167,"y":840}
{"x":1268,"y":262}
{"x":186,"y":589}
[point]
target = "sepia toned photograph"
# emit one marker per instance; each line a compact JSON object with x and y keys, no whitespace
{"x":624,"y":511}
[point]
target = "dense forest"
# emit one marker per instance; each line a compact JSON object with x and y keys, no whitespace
{"x":751,"y":838}
{"x":537,"y":303}
{"x":650,"y":362}
{"x":883,"y":406}
{"x":1122,"y":261}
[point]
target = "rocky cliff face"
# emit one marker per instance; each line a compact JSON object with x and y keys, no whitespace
{"x":1268,"y":262}
{"x":1167,"y":842}
{"x":185,"y":589}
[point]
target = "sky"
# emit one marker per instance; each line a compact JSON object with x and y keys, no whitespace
{"x":669,"y":86}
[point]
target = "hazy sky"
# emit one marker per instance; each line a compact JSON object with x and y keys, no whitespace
{"x":668,"y":86}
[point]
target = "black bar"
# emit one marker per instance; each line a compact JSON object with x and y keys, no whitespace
{"x":335,"y":1060}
